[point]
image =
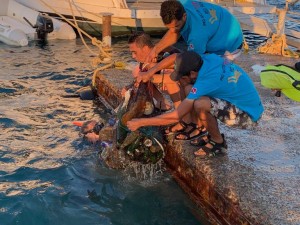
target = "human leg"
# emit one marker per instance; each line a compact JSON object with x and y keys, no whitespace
{"x":197,"y":130}
{"x":202,"y":107}
{"x":185,"y":125}
{"x":211,"y":109}
{"x":215,"y":142}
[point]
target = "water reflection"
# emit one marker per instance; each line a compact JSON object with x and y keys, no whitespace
{"x":48,"y":173}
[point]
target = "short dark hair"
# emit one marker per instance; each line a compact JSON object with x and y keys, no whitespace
{"x":171,"y":10}
{"x":141,"y":39}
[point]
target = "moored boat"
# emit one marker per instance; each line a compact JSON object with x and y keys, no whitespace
{"x":130,"y":15}
{"x":126,"y":15}
{"x":20,"y":24}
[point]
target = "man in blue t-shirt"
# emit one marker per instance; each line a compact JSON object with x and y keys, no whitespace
{"x":205,"y":27}
{"x":221,"y":90}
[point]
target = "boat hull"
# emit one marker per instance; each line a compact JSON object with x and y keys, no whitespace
{"x":11,"y":35}
{"x":95,"y":29}
{"x":88,"y":15}
{"x":14,"y":30}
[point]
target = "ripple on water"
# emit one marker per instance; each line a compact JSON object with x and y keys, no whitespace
{"x":46,"y":168}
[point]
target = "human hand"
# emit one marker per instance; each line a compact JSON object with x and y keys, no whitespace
{"x":143,"y":76}
{"x":92,"y":137}
{"x":133,"y":124}
{"x":152,"y":56}
{"x":123,"y":91}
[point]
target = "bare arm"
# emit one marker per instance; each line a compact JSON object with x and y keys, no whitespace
{"x":165,"y":63}
{"x":164,"y":119}
{"x":168,"y":39}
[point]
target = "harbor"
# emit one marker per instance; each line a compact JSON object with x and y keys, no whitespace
{"x":88,"y":18}
{"x":51,"y":175}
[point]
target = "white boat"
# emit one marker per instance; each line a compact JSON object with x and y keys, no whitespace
{"x":129,"y":15}
{"x":126,"y":15}
{"x":15,"y":30}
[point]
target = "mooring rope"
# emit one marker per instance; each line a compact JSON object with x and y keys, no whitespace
{"x":103,"y":52}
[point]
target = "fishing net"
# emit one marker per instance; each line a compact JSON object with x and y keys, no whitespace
{"x":144,"y":145}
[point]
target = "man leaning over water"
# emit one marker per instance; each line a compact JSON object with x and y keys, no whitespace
{"x":140,"y":44}
{"x":205,"y":27}
{"x":221,"y":90}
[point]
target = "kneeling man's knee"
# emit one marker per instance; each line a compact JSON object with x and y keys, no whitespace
{"x":202,"y":103}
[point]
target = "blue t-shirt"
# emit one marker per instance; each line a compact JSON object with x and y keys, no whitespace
{"x":219,"y":78}
{"x":210,"y":28}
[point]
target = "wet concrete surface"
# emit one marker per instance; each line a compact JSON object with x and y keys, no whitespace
{"x":258,"y":180}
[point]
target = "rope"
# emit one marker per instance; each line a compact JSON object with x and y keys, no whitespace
{"x":95,"y":42}
{"x":277,"y":44}
{"x":104,"y":56}
{"x":79,"y":31}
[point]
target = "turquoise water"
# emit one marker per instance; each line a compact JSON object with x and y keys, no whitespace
{"x":48,"y":173}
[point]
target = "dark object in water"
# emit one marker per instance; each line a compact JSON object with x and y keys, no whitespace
{"x":85,"y":93}
{"x":43,"y":26}
{"x":97,"y":128}
{"x":90,"y":126}
{"x":297,"y":66}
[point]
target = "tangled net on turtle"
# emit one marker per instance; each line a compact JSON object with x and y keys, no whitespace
{"x":144,"y":145}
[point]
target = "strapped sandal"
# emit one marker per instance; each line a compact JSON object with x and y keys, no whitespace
{"x":200,"y":141}
{"x":190,"y":134}
{"x":217,"y":149}
{"x":171,"y":130}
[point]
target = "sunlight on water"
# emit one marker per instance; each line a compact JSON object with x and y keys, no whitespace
{"x":48,"y":173}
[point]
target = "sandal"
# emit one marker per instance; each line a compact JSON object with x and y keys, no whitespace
{"x":200,"y":141}
{"x":216,"y":149}
{"x":190,"y":134}
{"x":172,"y":130}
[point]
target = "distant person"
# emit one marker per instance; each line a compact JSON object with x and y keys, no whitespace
{"x":140,"y":45}
{"x":205,"y":27}
{"x":221,"y":90}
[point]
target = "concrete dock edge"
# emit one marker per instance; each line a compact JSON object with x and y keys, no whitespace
{"x":231,"y":189}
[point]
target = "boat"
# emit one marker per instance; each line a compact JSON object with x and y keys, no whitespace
{"x":131,"y":15}
{"x":20,"y":24}
{"x":126,"y":16}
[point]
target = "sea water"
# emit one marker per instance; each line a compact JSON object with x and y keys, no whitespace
{"x":48,"y":173}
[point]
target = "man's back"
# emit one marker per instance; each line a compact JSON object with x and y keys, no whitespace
{"x":225,"y":80}
{"x":210,"y":28}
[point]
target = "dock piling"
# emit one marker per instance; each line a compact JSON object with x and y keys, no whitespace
{"x":106,"y":29}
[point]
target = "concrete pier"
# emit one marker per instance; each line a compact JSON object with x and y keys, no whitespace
{"x":258,"y":180}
